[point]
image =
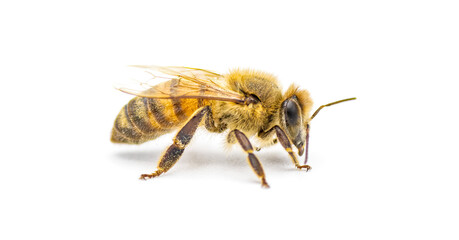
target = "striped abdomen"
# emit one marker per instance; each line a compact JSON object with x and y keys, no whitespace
{"x":144,"y":119}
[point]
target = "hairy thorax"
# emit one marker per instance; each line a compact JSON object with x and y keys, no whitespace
{"x":255,"y":117}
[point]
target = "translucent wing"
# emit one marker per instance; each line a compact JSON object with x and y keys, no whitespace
{"x":185,"y":83}
{"x":190,"y":73}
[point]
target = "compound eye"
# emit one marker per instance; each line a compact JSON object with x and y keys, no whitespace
{"x":292,"y":112}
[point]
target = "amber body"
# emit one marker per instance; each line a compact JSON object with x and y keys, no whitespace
{"x":144,"y":119}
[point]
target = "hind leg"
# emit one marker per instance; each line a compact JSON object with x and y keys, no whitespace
{"x":183,"y":137}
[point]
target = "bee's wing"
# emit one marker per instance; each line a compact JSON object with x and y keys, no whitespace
{"x":182,"y":71}
{"x":185,"y":83}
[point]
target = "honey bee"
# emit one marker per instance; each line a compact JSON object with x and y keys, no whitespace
{"x":242,"y":104}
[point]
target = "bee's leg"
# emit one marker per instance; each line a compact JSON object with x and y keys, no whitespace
{"x":285,"y":142}
{"x":183,"y":137}
{"x":252,"y":159}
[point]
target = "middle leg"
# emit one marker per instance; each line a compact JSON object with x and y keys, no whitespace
{"x":252,"y":159}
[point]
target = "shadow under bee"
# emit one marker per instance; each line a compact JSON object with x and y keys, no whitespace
{"x":195,"y":159}
{"x":139,"y":156}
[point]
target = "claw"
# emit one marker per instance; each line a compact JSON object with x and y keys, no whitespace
{"x":145,"y":176}
{"x":264,"y":184}
{"x":150,"y":176}
{"x":304,"y":166}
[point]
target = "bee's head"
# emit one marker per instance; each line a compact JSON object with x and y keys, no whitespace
{"x":295,"y":117}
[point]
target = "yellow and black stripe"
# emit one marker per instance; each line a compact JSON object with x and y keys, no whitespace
{"x":144,"y":119}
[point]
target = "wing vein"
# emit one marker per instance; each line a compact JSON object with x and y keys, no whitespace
{"x":188,"y":83}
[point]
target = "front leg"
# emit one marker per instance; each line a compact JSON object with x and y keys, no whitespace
{"x":285,"y":142}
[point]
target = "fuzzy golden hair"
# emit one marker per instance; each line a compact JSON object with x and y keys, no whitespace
{"x":253,"y":117}
{"x":255,"y":82}
{"x":304,"y":99}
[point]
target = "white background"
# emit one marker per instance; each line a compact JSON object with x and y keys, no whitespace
{"x":383,"y":167}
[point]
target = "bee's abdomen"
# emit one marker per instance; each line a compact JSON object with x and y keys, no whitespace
{"x":144,"y":119}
